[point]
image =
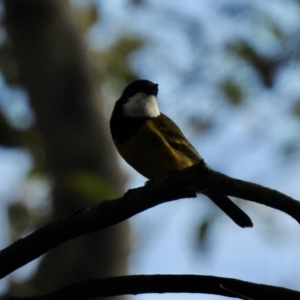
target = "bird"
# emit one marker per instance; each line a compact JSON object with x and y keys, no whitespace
{"x":154,"y":145}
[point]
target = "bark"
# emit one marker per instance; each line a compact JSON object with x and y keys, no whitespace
{"x":53,"y":67}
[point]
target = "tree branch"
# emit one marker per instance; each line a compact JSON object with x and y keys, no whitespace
{"x":111,"y":212}
{"x":142,"y":284}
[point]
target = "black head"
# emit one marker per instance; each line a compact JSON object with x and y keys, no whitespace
{"x":140,"y":86}
{"x":136,"y":105}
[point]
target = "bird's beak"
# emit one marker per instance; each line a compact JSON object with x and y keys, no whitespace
{"x":155,"y":89}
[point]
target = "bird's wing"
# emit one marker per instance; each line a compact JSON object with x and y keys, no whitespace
{"x":177,"y":141}
{"x":175,"y":137}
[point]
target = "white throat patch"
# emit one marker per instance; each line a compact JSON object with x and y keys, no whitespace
{"x":141,"y":105}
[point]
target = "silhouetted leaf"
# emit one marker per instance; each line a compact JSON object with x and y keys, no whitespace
{"x":296,"y":108}
{"x":91,"y":186}
{"x":266,"y":67}
{"x":232,"y":91}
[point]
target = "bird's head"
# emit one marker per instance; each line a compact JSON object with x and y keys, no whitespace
{"x":139,"y":99}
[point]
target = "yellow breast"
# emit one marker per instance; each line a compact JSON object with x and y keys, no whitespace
{"x":149,"y":153}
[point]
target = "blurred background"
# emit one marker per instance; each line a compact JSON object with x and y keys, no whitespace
{"x":228,"y":74}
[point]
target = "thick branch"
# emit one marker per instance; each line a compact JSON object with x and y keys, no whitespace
{"x":111,"y":212}
{"x":142,"y":284}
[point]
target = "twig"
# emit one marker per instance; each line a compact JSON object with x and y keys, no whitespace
{"x":145,"y":284}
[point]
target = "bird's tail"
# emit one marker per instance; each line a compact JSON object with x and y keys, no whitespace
{"x":229,"y":208}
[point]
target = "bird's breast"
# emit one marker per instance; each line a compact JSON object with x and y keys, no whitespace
{"x":149,"y":153}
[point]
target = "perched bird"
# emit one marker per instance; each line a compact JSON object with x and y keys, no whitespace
{"x":153,"y":144}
